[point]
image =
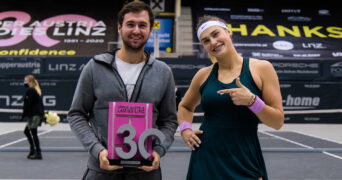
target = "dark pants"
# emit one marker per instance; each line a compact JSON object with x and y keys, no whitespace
{"x":122,"y":175}
{"x":32,"y":138}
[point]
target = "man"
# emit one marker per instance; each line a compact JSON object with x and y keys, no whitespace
{"x":127,"y":75}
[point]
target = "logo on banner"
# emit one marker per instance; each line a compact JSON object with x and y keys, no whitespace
{"x":157,"y":5}
{"x":336,"y":69}
{"x":283,"y":45}
{"x":301,"y":102}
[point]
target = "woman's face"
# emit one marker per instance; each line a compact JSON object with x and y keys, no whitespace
{"x":216,"y":41}
{"x":30,"y":84}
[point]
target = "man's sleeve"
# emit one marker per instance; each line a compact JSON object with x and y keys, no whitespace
{"x":167,"y":120}
{"x":80,"y":109}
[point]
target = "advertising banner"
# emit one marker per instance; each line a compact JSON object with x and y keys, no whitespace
{"x":12,"y":92}
{"x":279,"y":33}
{"x":312,"y":102}
{"x":40,"y":32}
{"x":162,"y":29}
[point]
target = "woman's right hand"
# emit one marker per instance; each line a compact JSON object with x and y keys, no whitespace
{"x":191,"y":139}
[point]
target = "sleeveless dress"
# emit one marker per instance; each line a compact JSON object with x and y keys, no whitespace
{"x":230,"y":148}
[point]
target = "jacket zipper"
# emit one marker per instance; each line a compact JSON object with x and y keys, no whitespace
{"x":122,"y":82}
{"x":135,"y":86}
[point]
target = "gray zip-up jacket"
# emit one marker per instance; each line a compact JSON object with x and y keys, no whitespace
{"x":100,"y":83}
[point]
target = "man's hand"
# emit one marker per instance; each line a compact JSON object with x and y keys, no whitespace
{"x":104,"y":162}
{"x":155,"y":163}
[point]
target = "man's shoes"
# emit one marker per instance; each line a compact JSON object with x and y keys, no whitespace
{"x":36,"y":155}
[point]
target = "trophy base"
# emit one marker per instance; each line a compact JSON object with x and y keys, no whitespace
{"x":130,"y":163}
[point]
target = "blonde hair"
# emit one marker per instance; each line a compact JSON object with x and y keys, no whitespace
{"x":35,"y":83}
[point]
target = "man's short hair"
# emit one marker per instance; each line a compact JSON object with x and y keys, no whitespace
{"x":136,"y":7}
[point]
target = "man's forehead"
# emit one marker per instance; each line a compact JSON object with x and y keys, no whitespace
{"x":141,"y":16}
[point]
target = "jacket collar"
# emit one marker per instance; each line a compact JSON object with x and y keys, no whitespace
{"x":109,"y":57}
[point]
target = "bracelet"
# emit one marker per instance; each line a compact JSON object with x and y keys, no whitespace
{"x":251,"y":102}
{"x":185,"y":125}
{"x":257,"y":106}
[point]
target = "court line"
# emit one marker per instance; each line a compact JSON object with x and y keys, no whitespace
{"x":7,"y":132}
{"x":322,"y":138}
{"x":300,"y":144}
{"x":288,"y":140}
{"x":22,"y":139}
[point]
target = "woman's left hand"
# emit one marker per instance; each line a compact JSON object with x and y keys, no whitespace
{"x":240,"y":96}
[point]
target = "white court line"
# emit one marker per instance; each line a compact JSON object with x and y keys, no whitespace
{"x":38,"y":179}
{"x":22,"y":139}
{"x":300,"y":144}
{"x":3,"y":133}
{"x":332,"y":155}
{"x":288,"y":140}
{"x":322,"y":138}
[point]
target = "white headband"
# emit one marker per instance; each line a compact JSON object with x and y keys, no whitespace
{"x":208,"y":24}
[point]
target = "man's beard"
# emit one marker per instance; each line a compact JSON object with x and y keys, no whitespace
{"x":130,"y":47}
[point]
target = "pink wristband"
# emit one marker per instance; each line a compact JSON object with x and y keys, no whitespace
{"x":185,"y":125}
{"x":257,"y":106}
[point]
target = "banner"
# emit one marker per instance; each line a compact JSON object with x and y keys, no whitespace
{"x":13,"y":91}
{"x":278,"y":33}
{"x":312,"y":102}
{"x":40,"y":32}
{"x":163,"y":28}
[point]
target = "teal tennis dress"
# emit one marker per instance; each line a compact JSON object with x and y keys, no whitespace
{"x":230,"y":148}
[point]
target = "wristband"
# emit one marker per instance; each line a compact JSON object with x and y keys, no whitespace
{"x":185,"y":125}
{"x":257,"y":106}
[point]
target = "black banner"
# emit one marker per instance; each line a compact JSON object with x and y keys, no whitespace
{"x":278,"y":33}
{"x":39,"y":31}
{"x":312,"y":102}
{"x":57,"y":96}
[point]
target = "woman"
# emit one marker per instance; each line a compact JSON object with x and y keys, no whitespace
{"x":32,"y":112}
{"x":236,"y":93}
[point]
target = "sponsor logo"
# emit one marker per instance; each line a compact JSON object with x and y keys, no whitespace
{"x":313,"y":46}
{"x":267,"y":55}
{"x":299,"y":18}
{"x":336,"y":69}
{"x":245,"y":17}
{"x":337,"y":54}
{"x":307,"y":55}
{"x":18,"y":100}
{"x":250,"y":45}
{"x":312,"y":85}
{"x":295,"y":11}
{"x":186,"y":66}
{"x":69,"y":67}
{"x":285,"y":85}
{"x":283,"y":45}
{"x":257,"y":10}
{"x":312,"y":119}
{"x":296,"y":65}
{"x":324,"y":12}
{"x":301,"y":102}
{"x":217,"y":9}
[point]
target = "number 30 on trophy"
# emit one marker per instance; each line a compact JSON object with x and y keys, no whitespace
{"x":130,"y":133}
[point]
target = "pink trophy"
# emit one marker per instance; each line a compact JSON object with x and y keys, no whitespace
{"x":129,"y":131}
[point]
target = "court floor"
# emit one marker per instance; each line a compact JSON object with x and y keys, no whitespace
{"x":289,"y":155}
